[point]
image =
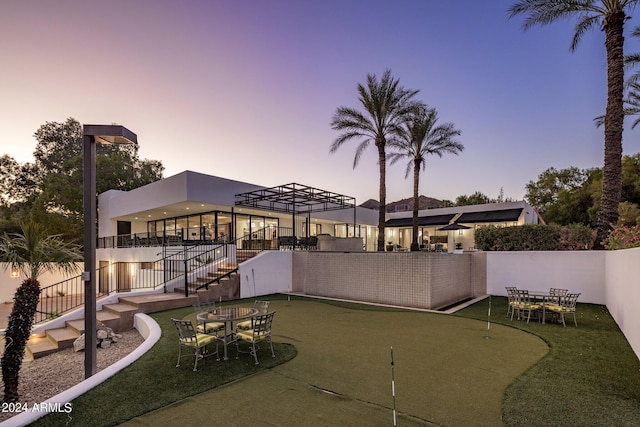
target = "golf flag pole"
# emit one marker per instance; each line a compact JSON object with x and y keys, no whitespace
{"x":489,"y":318}
{"x":393,"y":388}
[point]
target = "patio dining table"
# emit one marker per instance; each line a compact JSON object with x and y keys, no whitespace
{"x":227,"y":315}
{"x":541,"y":297}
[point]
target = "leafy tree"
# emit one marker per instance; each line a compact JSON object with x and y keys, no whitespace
{"x":544,"y":192}
{"x":608,"y":15}
{"x":9,"y":171}
{"x":33,"y":252}
{"x":631,"y":178}
{"x":476,"y":198}
{"x":566,"y":196}
{"x":423,"y":137}
{"x":50,"y":190}
{"x":573,"y":195}
{"x":629,"y":214}
{"x":387,"y":106}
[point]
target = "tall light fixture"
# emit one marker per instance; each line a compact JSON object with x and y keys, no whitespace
{"x":103,"y":134}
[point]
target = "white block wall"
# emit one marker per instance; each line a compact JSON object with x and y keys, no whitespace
{"x":623,"y":292}
{"x":578,"y":271}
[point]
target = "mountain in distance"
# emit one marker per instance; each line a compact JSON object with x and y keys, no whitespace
{"x":404,"y":205}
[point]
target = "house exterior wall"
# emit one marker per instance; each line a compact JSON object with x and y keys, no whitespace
{"x":465,"y":238}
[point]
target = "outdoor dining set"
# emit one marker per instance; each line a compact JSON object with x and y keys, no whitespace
{"x":224,"y":325}
{"x":555,"y":303}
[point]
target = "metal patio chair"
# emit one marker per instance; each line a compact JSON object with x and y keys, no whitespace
{"x":204,"y":327}
{"x":261,"y":332}
{"x":565,"y":306}
{"x":262,"y":307}
{"x":189,"y":339}
{"x":523,"y":305}
{"x":511,"y":298}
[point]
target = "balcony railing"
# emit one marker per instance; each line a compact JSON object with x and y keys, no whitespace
{"x":263,"y":239}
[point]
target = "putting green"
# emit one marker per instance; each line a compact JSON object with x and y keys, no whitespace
{"x":447,"y":372}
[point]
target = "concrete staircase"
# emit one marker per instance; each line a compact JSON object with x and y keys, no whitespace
{"x":118,"y":316}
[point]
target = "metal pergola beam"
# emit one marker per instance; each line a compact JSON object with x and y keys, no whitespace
{"x":296,"y":198}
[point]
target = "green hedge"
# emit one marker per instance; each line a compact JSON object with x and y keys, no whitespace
{"x":535,"y":237}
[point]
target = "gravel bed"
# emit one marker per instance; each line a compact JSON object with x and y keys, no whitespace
{"x":47,"y":376}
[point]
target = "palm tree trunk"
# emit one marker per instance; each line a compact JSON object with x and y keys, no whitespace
{"x":382,"y":161}
{"x":613,"y":126}
{"x":16,"y":336}
{"x":416,"y":203}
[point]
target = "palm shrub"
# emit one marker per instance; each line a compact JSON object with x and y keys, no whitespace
{"x":33,"y":253}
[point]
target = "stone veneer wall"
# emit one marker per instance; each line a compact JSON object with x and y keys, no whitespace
{"x":412,"y":279}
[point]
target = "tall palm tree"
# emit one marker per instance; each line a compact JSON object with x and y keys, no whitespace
{"x":631,"y":105}
{"x":33,"y":253}
{"x":609,"y":15}
{"x":423,"y":137}
{"x":387,"y":106}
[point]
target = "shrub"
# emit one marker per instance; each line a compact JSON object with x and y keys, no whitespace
{"x":623,"y":237}
{"x":534,"y":237}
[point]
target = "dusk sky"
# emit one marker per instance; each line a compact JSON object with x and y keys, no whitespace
{"x":246,"y":89}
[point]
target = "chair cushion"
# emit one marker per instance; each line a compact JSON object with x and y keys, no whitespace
{"x":246,"y":335}
{"x":203,"y":339}
{"x":246,"y":324}
{"x":210,"y":327}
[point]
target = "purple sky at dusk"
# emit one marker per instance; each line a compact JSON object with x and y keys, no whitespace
{"x":246,"y":89}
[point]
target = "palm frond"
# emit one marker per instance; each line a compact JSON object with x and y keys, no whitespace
{"x":34,"y":253}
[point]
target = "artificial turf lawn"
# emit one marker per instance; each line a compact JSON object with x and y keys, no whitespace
{"x":446,"y":372}
{"x":591,"y":375}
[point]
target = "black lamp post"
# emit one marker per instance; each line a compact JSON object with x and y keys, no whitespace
{"x":103,"y":134}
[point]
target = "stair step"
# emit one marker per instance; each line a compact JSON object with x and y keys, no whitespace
{"x":119,"y":308}
{"x":40,"y":346}
{"x":118,"y":316}
{"x":106,"y":315}
{"x":77,"y":325}
{"x":63,"y":336}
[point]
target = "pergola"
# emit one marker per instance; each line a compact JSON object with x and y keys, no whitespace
{"x":296,"y":199}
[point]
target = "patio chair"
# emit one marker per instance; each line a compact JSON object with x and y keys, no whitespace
{"x":567,"y":305}
{"x":556,"y":293}
{"x":203,"y":327}
{"x":262,"y":307}
{"x":189,"y":339}
{"x":524,"y":305}
{"x":261,"y":332}
{"x":511,"y":298}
